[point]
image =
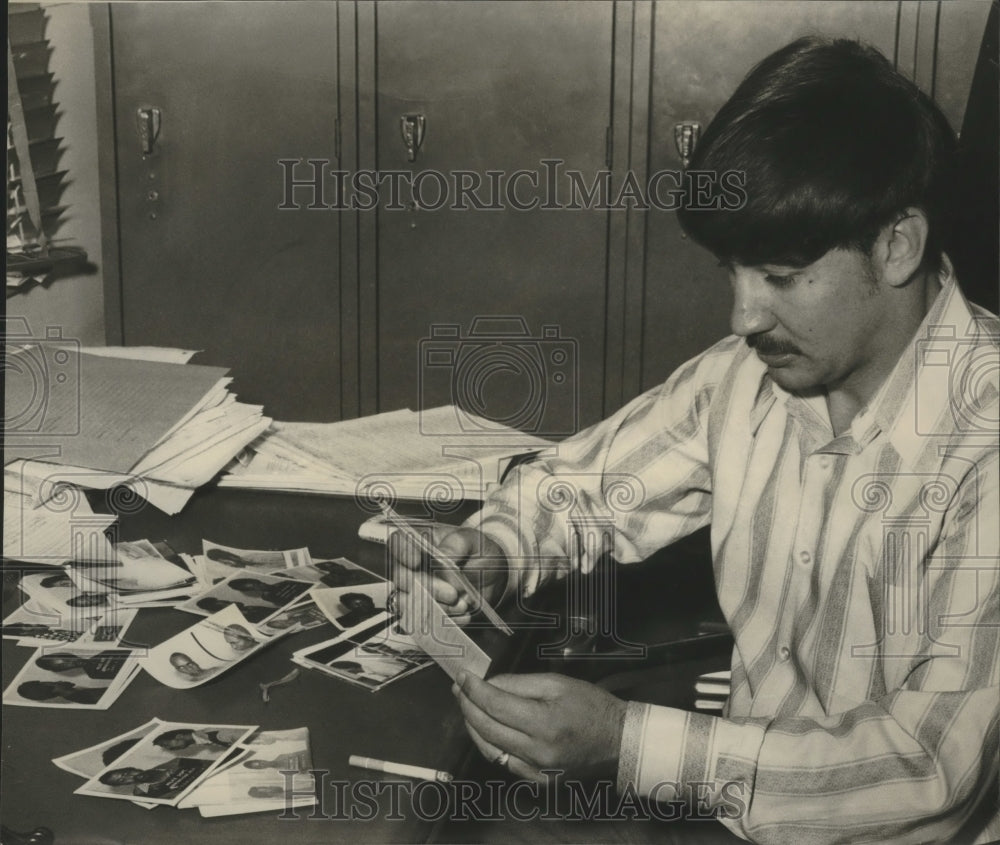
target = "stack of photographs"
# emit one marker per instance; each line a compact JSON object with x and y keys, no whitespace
{"x":145,"y":575}
{"x":220,"y":769}
{"x":54,"y":599}
{"x":275,"y":773}
{"x":158,"y":763}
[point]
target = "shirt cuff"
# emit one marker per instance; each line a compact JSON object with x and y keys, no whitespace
{"x":664,"y":751}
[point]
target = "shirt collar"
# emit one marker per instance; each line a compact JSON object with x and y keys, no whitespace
{"x":944,"y":383}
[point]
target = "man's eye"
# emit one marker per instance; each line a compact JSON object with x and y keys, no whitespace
{"x":780,"y":281}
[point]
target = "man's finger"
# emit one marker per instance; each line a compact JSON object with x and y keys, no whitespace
{"x":403,"y":550}
{"x":510,"y":710}
{"x":493,"y":732}
{"x":457,"y":543}
{"x":442,"y":592}
{"x":514,"y":764}
{"x":487,"y":749}
{"x":542,"y":686}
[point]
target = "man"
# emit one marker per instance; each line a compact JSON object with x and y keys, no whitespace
{"x":251,"y":612}
{"x":278,"y":593}
{"x":238,"y":638}
{"x":182,"y":739}
{"x":185,"y":665}
{"x":165,"y":781}
{"x":336,"y":574}
{"x":59,"y":692}
{"x":360,"y":607}
{"x":843,"y":446}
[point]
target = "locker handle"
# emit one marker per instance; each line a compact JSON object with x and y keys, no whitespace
{"x":148,"y":127}
{"x":412,"y":126}
{"x":686,"y":137}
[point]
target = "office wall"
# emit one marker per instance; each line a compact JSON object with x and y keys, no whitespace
{"x":74,"y":303}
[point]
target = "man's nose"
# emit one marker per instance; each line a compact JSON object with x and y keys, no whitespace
{"x":751,"y":303}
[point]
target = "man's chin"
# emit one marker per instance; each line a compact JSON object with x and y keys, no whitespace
{"x":793,"y":378}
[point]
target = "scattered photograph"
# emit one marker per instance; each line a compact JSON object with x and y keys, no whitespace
{"x":37,"y":627}
{"x":205,"y":650}
{"x":57,"y":592}
{"x":90,"y":761}
{"x":339,"y":572}
{"x":167,"y":763}
{"x":300,"y":616}
{"x":258,"y":597}
{"x":220,"y":561}
{"x":72,"y":678}
{"x":353,"y":608}
{"x":140,"y":569}
{"x":371,"y":662}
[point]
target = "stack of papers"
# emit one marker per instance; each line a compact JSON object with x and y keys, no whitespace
{"x":138,"y":421}
{"x":397,"y":455}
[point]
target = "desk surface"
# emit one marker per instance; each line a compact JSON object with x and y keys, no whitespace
{"x":415,"y":720}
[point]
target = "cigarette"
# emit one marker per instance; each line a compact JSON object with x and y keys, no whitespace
{"x":399,"y":769}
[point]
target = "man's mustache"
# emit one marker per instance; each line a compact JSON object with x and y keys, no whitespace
{"x":767,"y":345}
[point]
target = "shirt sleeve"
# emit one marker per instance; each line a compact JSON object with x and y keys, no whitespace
{"x":912,"y":766}
{"x":630,"y":485}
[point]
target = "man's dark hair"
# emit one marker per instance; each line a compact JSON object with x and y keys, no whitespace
{"x":57,"y":580}
{"x":50,"y":662}
{"x":357,"y":600}
{"x":113,"y":752}
{"x":38,"y":690}
{"x":244,"y":584}
{"x":168,"y":736}
{"x":223,"y":556}
{"x":834,"y":145}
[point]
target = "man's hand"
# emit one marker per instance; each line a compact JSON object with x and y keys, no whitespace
{"x":544,"y":721}
{"x":482,"y":562}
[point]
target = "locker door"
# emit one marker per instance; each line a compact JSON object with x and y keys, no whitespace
{"x":502,"y":86}
{"x":702,"y":49}
{"x":208,"y":260}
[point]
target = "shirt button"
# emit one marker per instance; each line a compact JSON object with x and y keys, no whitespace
{"x":805,"y":557}
{"x":784,"y":653}
{"x":824,"y":462}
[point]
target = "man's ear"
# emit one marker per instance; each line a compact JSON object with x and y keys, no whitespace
{"x":902,"y":246}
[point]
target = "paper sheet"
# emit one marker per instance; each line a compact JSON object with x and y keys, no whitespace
{"x":101,"y":413}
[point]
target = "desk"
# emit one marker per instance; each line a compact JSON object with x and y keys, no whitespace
{"x":415,"y":720}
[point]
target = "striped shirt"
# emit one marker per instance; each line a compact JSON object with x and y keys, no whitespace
{"x":858,"y":573}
